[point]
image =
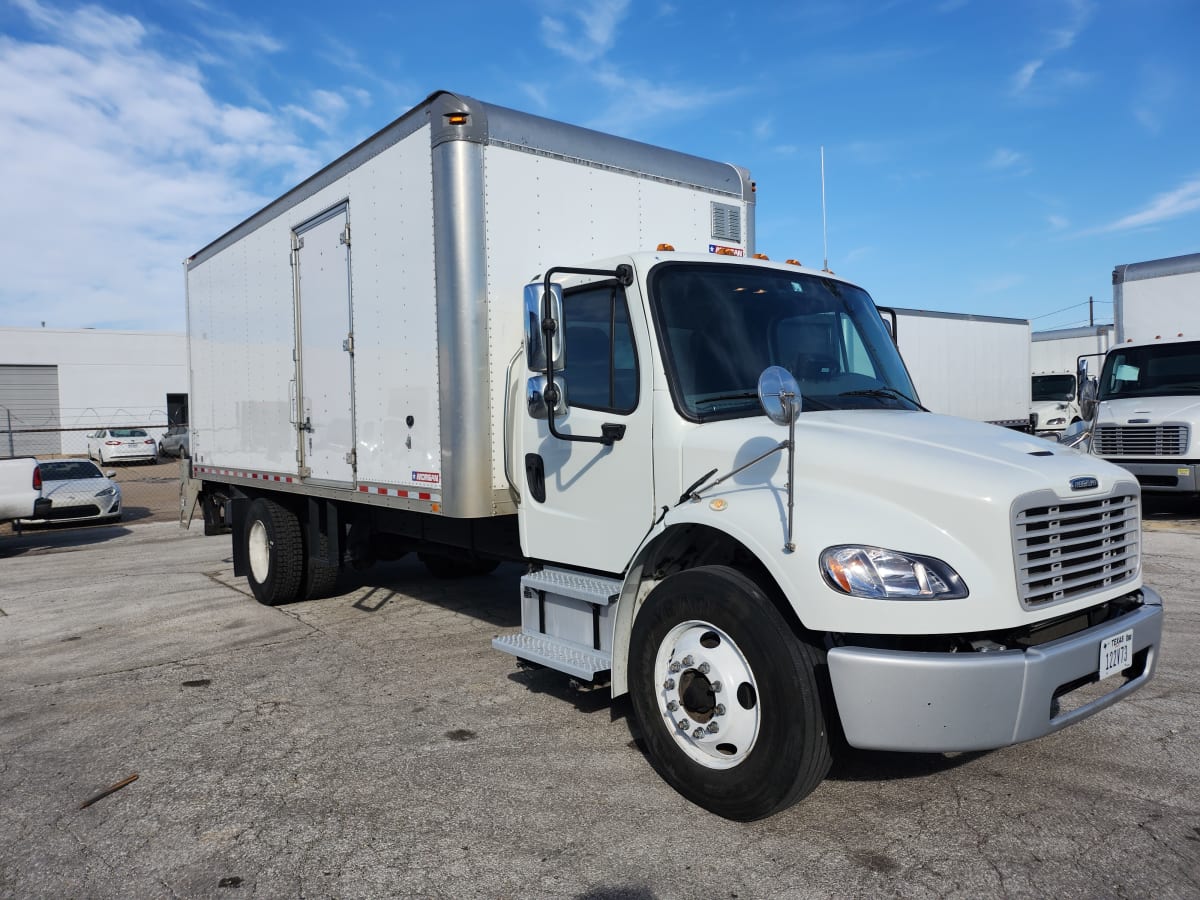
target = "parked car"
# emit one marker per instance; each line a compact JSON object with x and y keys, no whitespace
{"x":79,"y":492}
{"x":174,"y":442}
{"x":121,"y":444}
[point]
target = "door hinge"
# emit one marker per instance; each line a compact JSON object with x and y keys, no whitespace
{"x":352,"y":459}
{"x":348,"y":344}
{"x":304,"y":472}
{"x":344,"y":237}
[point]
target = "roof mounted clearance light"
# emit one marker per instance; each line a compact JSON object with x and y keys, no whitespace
{"x":761,"y":256}
{"x":726,"y":251}
{"x":457,"y":118}
{"x":793,"y":262}
{"x":666,"y":247}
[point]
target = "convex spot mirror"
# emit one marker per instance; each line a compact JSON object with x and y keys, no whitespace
{"x":779,"y":395}
{"x":535,"y":397}
{"x":535,"y":339}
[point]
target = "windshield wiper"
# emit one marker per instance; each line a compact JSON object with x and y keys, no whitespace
{"x":740,"y":395}
{"x":884,"y":392}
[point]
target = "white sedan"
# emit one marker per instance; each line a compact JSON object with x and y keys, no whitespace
{"x":78,"y":491}
{"x":121,"y":445}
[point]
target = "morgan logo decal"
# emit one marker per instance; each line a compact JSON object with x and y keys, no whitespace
{"x":1084,"y":483}
{"x":427,"y":477}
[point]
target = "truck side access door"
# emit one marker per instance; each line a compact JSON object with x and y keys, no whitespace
{"x":324,"y":347}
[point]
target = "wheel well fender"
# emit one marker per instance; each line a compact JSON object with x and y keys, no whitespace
{"x":675,"y":549}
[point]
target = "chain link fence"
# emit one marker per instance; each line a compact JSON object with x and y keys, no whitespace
{"x":149,"y":490}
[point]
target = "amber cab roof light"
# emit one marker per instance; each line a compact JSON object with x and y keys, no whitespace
{"x":667,"y":247}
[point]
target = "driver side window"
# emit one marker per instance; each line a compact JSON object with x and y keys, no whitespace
{"x":601,"y":363}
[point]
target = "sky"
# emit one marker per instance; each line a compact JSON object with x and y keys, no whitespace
{"x":995,"y":158}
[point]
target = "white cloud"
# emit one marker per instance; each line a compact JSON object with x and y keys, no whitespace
{"x":1057,"y":223}
{"x":589,"y":30}
{"x":118,"y":163}
{"x":1077,"y":14}
{"x":640,"y":100}
{"x":1007,"y":160}
{"x":1163,"y":207}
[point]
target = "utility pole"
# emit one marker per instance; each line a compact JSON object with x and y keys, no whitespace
{"x":1091,"y":318}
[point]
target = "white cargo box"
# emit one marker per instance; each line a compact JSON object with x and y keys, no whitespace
{"x":353,"y":337}
{"x":975,"y":367}
{"x":1157,"y":300}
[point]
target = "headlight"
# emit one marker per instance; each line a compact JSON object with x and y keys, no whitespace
{"x":107,"y":492}
{"x":889,"y":575}
{"x":1058,"y":421}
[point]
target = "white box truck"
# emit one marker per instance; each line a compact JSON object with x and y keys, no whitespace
{"x":724,"y":501}
{"x":1148,"y":416}
{"x":1054,"y":359}
{"x":976,"y":367}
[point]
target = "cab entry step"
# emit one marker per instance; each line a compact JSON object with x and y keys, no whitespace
{"x":566,"y":622}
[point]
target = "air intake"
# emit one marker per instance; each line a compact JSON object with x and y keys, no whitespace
{"x":726,"y":222}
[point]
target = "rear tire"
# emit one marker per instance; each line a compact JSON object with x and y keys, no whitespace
{"x":274,"y":552}
{"x":727,"y":695}
{"x":319,"y":576}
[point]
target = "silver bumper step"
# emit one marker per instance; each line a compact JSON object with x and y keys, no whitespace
{"x":554,"y":654}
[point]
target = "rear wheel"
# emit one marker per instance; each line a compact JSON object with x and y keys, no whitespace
{"x":727,"y":695}
{"x":274,"y":552}
{"x":320,"y":576}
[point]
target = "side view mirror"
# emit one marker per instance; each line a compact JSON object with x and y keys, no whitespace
{"x":535,"y":396}
{"x":779,"y":395}
{"x":1087,"y":399}
{"x":535,"y":340}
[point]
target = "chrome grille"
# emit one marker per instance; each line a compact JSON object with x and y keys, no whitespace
{"x":1067,"y":549}
{"x":1140,"y":440}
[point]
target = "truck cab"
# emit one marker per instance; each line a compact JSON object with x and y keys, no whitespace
{"x":1148,"y":414}
{"x":852,"y":564}
{"x":1055,"y":405}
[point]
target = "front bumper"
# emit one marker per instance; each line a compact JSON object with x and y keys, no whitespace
{"x":942,"y":702}
{"x":1178,"y":477}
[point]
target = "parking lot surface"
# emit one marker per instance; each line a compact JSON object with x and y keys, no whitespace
{"x":373,"y":744}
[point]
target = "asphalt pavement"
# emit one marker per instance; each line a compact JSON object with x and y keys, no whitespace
{"x":373,"y":745}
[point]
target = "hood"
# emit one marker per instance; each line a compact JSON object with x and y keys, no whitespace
{"x":76,"y":489}
{"x":1155,"y":409}
{"x":901,"y":452}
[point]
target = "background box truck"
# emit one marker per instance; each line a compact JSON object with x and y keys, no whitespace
{"x":976,"y":367}
{"x":453,"y":341}
{"x":1054,"y":358}
{"x":1148,"y":416}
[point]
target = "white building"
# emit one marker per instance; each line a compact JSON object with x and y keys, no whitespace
{"x":56,"y":385}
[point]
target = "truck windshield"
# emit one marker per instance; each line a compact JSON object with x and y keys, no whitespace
{"x":721,"y":325}
{"x":1151,"y":370}
{"x":1053,"y":387}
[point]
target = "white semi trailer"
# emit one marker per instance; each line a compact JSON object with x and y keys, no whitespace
{"x":1148,"y":416}
{"x":976,"y":367}
{"x":1054,"y":359}
{"x":726,"y":504}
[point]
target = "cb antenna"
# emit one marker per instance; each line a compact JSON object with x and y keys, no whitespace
{"x":824,"y":225}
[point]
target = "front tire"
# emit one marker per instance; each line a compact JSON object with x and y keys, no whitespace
{"x":274,"y":552}
{"x":727,"y":695}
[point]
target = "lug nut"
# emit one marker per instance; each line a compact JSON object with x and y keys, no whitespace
{"x":713,"y":727}
{"x":687,"y":660}
{"x":716,"y":686}
{"x":669,"y":684}
{"x":674,"y":668}
{"x":684,"y":724}
{"x":702,"y":668}
{"x":672,"y":705}
{"x":720,"y":711}
{"x":698,"y":733}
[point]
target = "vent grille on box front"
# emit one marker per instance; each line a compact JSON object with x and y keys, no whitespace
{"x":726,"y":222}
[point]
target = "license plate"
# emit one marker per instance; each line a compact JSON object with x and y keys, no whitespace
{"x":1116,"y":653}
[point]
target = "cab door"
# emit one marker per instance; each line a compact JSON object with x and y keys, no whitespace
{"x":585,"y":503}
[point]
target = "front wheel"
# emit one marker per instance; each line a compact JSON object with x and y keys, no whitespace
{"x":728,"y":697}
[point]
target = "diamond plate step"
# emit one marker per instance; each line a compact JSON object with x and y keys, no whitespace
{"x":591,"y":588}
{"x":562,"y":656}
